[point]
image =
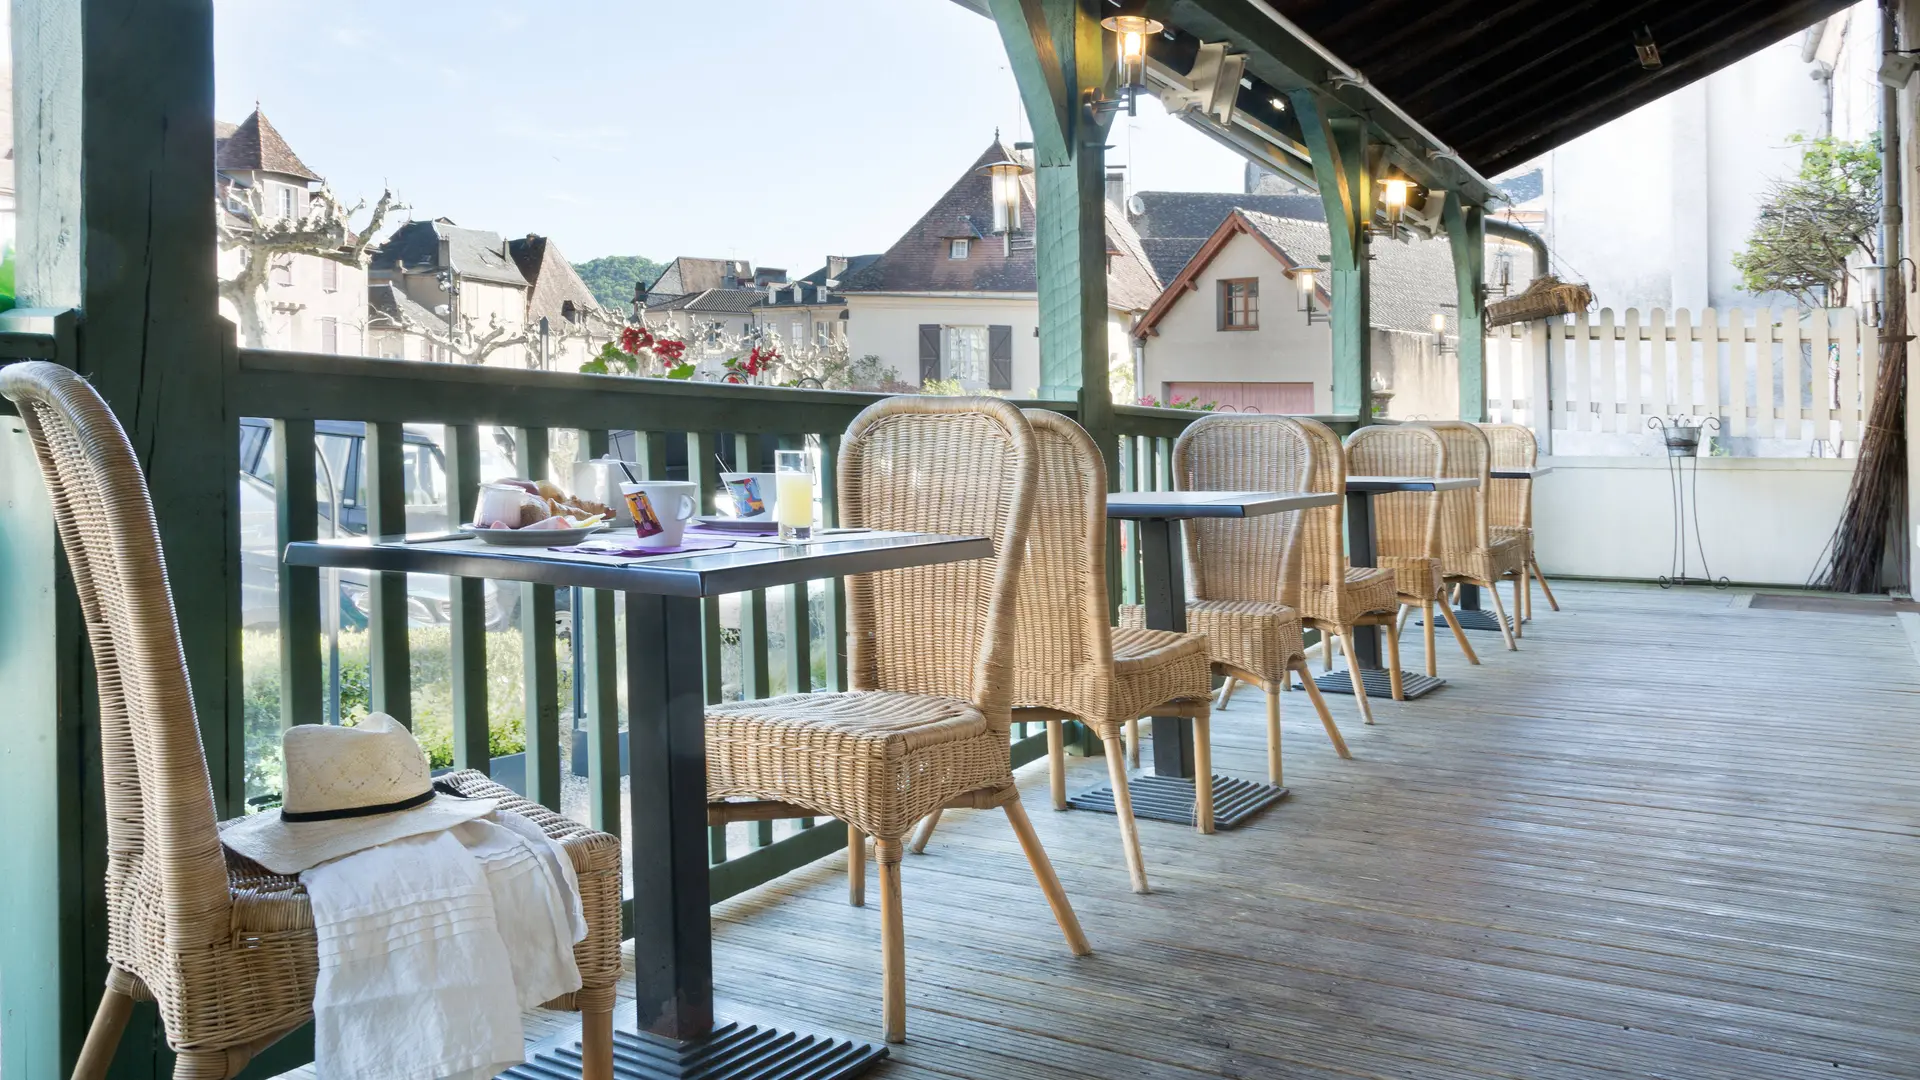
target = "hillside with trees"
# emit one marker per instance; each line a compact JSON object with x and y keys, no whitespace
{"x":611,"y":277}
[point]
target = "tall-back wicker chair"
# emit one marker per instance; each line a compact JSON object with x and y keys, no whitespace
{"x":1470,"y":554}
{"x":225,"y":948}
{"x":1244,"y":575}
{"x":1510,"y":502}
{"x":930,"y":655}
{"x":1335,"y":598}
{"x":1406,"y":524}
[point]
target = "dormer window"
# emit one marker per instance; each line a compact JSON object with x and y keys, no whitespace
{"x":957,"y":248}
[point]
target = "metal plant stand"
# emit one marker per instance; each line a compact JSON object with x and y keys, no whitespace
{"x":1682,"y":441}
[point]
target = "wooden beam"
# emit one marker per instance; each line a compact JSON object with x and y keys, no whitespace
{"x":1467,"y":234}
{"x":1026,"y":31}
{"x":1342,"y":167}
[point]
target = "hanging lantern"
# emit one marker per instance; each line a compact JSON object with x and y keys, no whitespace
{"x":1005,"y":177}
{"x":1308,"y":278}
{"x":1132,"y":26}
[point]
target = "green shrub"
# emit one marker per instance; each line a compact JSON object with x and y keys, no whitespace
{"x":432,"y":671}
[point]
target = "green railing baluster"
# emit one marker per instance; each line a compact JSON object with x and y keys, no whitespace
{"x":599,"y":656}
{"x":762,"y":833}
{"x":756,"y":681}
{"x":467,"y":612}
{"x":704,"y":471}
{"x":386,"y":505}
{"x":835,"y":592}
{"x":296,"y":517}
{"x":539,"y":671}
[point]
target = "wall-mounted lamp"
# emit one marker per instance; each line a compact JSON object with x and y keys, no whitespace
{"x":1872,"y":277}
{"x":1308,"y":278}
{"x":1132,"y":26}
{"x":1005,"y":176}
{"x":1441,"y":345}
{"x":1646,"y":48}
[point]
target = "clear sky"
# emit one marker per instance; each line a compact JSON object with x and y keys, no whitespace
{"x":772,"y":130}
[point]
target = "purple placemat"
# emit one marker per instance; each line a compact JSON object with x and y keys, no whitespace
{"x":609,"y":549}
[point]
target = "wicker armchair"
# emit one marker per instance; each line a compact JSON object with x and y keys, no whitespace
{"x":1068,"y":663}
{"x":1470,"y":553}
{"x":1336,"y":598}
{"x":1406,"y":524}
{"x":930,"y":655}
{"x":225,"y":948}
{"x":1244,"y":575}
{"x":1510,"y":502}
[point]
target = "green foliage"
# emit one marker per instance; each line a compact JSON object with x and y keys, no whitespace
{"x":612,"y":360}
{"x":611,"y":277}
{"x":1193,"y":403}
{"x":1809,"y":226}
{"x":432,"y":670}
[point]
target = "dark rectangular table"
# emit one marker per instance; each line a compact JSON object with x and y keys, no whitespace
{"x":678,"y":1035}
{"x":1361,"y":552}
{"x":1167,"y":794}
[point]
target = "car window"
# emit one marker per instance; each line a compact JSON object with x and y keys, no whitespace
{"x":423,"y":475}
{"x":256,"y":451}
{"x":336,"y":450}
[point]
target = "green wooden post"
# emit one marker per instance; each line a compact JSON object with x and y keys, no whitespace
{"x":704,"y":470}
{"x":599,"y":655}
{"x":755,"y":677}
{"x":296,"y":519}
{"x":390,"y":655}
{"x":1342,"y":168}
{"x":1467,"y":233}
{"x":113,"y":139}
{"x":472,"y":747}
{"x":539,"y":675}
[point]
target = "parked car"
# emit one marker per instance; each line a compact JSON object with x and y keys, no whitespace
{"x":340,"y":488}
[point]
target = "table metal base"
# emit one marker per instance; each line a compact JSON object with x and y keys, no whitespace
{"x":1470,"y":619}
{"x":1170,"y":798}
{"x":732,"y":1051}
{"x":1379,"y":683}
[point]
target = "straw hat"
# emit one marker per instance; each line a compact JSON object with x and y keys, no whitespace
{"x":348,"y":789}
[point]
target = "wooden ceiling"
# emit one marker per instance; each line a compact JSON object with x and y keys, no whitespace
{"x":1499,"y":81}
{"x":1505,"y":81}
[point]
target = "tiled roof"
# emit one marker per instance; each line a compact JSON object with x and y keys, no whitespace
{"x":392,"y":307}
{"x":1411,"y":281}
{"x":838,"y":267}
{"x":1166,"y":215}
{"x":553,"y":278}
{"x":1523,"y":187}
{"x":691,"y":275}
{"x":723,"y":301}
{"x":254,"y":145}
{"x":474,"y":253}
{"x":918,"y":262}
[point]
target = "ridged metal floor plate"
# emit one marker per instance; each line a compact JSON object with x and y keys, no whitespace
{"x":1378,"y":682}
{"x":1476,"y":619}
{"x":732,"y":1052}
{"x":1170,"y":798}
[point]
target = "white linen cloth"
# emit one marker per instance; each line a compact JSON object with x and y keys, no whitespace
{"x":431,"y":946}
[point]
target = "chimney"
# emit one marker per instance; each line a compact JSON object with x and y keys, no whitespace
{"x":836,"y":266}
{"x":443,"y":254}
{"x":1117,"y":189}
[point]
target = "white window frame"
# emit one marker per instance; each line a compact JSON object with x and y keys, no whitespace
{"x":286,"y":201}
{"x":959,"y":247}
{"x":963,"y":355}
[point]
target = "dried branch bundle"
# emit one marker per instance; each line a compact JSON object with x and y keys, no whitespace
{"x":1878,"y":493}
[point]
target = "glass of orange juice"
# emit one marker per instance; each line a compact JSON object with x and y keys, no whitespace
{"x":793,"y":494}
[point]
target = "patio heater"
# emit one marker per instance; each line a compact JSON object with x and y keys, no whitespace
{"x":1308,"y":278}
{"x":1005,"y":176}
{"x":1132,"y":26}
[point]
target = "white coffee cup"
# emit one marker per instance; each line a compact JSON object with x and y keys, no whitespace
{"x":661,"y":510}
{"x":758,"y":484}
{"x":500,"y":502}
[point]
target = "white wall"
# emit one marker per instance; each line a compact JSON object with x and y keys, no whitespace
{"x":292,"y":313}
{"x":888,"y":326}
{"x":1191,"y":347}
{"x":1650,"y":208}
{"x":1762,"y":521}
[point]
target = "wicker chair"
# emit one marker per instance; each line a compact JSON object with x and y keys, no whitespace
{"x":1068,"y":663}
{"x":1244,"y":575}
{"x":1470,"y":553}
{"x":1336,"y":598}
{"x":930,"y":655}
{"x":1510,"y":502}
{"x":224,"y":947}
{"x":1406,"y":524}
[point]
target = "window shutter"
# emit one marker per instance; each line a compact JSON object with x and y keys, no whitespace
{"x":929,"y":352}
{"x":999,"y":357}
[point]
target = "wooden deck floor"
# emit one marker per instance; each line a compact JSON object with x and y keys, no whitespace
{"x":1672,"y":837}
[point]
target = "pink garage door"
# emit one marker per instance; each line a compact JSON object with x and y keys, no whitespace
{"x":1262,"y":397}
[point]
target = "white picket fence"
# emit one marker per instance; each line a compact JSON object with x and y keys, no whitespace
{"x":1793,"y":381}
